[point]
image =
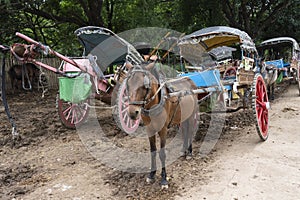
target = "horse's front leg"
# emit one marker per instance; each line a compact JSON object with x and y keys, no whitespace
{"x":272,"y":92}
{"x":162,"y":155}
{"x":269,"y":91}
{"x":151,"y":176}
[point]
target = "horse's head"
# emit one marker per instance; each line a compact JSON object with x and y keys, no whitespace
{"x":140,"y":87}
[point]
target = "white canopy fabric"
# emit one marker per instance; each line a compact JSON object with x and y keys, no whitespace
{"x":281,"y":40}
{"x":216,"y":36}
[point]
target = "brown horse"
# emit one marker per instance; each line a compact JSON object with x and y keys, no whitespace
{"x":149,"y":98}
{"x":25,"y":73}
{"x":270,"y":74}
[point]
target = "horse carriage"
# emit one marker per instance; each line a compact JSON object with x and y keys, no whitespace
{"x":100,"y":68}
{"x":237,"y":81}
{"x":281,"y":61}
{"x":163,"y":102}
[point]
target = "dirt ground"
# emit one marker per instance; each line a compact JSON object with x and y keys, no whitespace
{"x":51,"y":162}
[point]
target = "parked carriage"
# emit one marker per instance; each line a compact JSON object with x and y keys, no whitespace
{"x":238,"y":82}
{"x":86,"y":77}
{"x":282,"y":61}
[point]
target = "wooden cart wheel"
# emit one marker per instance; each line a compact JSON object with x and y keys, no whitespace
{"x":260,"y":106}
{"x":229,"y":72}
{"x":1,"y":84}
{"x":298,"y":79}
{"x":120,"y":114}
{"x":72,"y":114}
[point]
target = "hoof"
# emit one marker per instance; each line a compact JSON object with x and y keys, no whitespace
{"x":150,"y":180}
{"x":189,"y":157}
{"x":182,"y":154}
{"x":164,"y":184}
{"x":164,"y":187}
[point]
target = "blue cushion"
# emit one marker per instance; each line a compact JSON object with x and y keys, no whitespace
{"x":205,"y":78}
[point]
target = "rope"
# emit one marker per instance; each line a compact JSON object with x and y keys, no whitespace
{"x":25,"y":73}
{"x":40,"y":81}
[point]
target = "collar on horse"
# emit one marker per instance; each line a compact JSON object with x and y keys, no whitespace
{"x":156,"y":109}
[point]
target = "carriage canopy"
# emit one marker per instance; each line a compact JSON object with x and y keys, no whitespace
{"x":107,"y":46}
{"x":216,"y":36}
{"x":194,"y":45}
{"x":281,"y":40}
{"x":280,"y":47}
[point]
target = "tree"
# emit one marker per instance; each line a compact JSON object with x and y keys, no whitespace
{"x":79,"y":12}
{"x":54,"y":21}
{"x":199,"y":14}
{"x":254,"y":16}
{"x":287,"y":24}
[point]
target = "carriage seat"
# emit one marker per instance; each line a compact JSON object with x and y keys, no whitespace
{"x":278,"y":63}
{"x":206,"y":78}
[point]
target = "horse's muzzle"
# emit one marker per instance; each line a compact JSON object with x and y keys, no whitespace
{"x":134,"y":112}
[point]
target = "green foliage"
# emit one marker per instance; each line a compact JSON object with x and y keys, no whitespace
{"x":286,"y":24}
{"x":53,"y":22}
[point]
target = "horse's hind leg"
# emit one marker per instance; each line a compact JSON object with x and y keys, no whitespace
{"x":12,"y":83}
{"x":151,"y":176}
{"x":193,"y":127}
{"x":188,"y":127}
{"x":184,"y":132}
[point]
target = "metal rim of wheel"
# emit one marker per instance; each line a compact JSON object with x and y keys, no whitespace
{"x":298,"y":75}
{"x":73,"y":114}
{"x":121,"y":115}
{"x":260,"y":106}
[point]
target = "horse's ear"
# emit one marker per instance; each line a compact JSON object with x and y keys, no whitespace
{"x":150,"y":66}
{"x":128,"y":65}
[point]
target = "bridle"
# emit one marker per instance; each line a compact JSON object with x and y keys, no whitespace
{"x":146,"y":84}
{"x":156,"y":109}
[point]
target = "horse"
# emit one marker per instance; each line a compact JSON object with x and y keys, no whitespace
{"x":270,"y":75}
{"x":148,"y":99}
{"x":26,"y":72}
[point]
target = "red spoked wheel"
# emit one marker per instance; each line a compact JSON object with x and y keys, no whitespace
{"x":260,"y":106}
{"x":73,"y":114}
{"x":298,"y":77}
{"x":229,"y":73}
{"x":121,"y":111}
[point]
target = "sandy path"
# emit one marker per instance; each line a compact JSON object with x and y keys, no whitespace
{"x":249,"y":169}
